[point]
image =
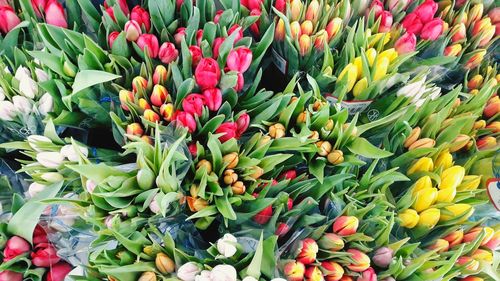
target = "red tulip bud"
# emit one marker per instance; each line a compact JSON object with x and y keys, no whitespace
{"x":240,"y":83}
{"x":159,"y":95}
{"x":44,"y":255}
{"x":168,"y":53}
{"x":385,"y":21}
{"x":345,"y":225}
{"x":229,"y":131}
{"x":263,"y":216}
{"x":289,"y":175}
{"x":179,"y":34}
{"x":193,"y":104}
{"x":193,"y":149}
{"x":135,"y":129}
{"x":7,"y":275}
{"x":239,"y":59}
{"x":196,"y":55}
{"x":216,"y":45}
{"x":486,"y":143}
{"x":368,"y":275}
{"x":491,"y":109}
{"x":460,"y":32}
{"x":313,"y":273}
{"x":58,"y":272}
{"x":280,"y":5}
{"x":14,"y":247}
{"x":199,"y":36}
{"x":308,"y":250}
{"x":361,"y":261}
{"x":242,"y":124}
{"x":238,"y":29}
{"x":294,"y":271}
{"x":412,"y":23}
{"x":148,"y":44}
{"x":255,"y":26}
{"x":141,"y":16}
{"x":207,"y":73}
{"x":8,"y":19}
{"x":332,"y":270}
{"x":213,"y":98}
{"x":126,"y":97}
{"x":426,"y":10}
{"x":454,"y":238}
{"x":406,"y":43}
{"x":432,"y":29}
{"x":217,"y":15}
{"x":112,"y":37}
{"x":186,"y":120}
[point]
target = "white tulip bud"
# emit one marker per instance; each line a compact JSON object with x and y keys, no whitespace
{"x":28,"y":88}
{"x":41,"y":75}
{"x":412,"y":89}
{"x":52,"y":177}
{"x":188,"y":271}
{"x":224,"y":272}
{"x":22,"y":104}
{"x":22,"y":73}
{"x":34,"y":140}
{"x":227,"y":245}
{"x":7,"y":111}
{"x":45,"y":104}
{"x":154,"y":206}
{"x":35,"y":188}
{"x":204,"y":276}
{"x":71,"y":153}
{"x":50,"y":160}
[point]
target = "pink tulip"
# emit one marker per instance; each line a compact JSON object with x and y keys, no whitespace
{"x":239,"y":59}
{"x":141,"y":16}
{"x":217,"y":15}
{"x":368,"y":275}
{"x":179,"y":34}
{"x":196,"y":55}
{"x":216,"y":45}
{"x":168,"y":53}
{"x":45,"y":255}
{"x":242,"y":123}
{"x":58,"y":272}
{"x":111,"y":13}
{"x":494,"y":15}
{"x":412,"y":23}
{"x":7,"y":275}
{"x":207,"y":73}
{"x":8,"y":19}
{"x":38,"y":6}
{"x":54,"y":14}
{"x":213,"y":98}
{"x":186,"y":120}
{"x":193,"y":104}
{"x":426,"y":10}
{"x":229,"y":131}
{"x":385,"y":21}
{"x":377,"y":7}
{"x":406,"y":43}
{"x":132,"y":30}
{"x":432,"y":30}
{"x":252,"y":4}
{"x":148,"y":44}
{"x":15,"y":246}
{"x":199,"y":36}
{"x":123,"y":6}
{"x":255,"y":26}
{"x":238,"y":29}
{"x":239,"y":83}
{"x":112,"y":37}
{"x":280,"y":5}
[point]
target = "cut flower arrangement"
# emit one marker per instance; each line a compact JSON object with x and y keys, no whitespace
{"x":253,"y":140}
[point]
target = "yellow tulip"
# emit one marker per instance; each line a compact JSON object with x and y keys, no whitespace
{"x":351,"y":71}
{"x":423,"y":164}
{"x":470,"y":182}
{"x":409,"y":218}
{"x":446,"y":195}
{"x":444,"y":160}
{"x":360,"y":86}
{"x":483,"y":255}
{"x":429,"y":218}
{"x":452,"y":177}
{"x":457,"y":210}
{"x":425,"y":198}
{"x":391,"y":54}
{"x":371,"y":54}
{"x":381,"y":70}
{"x":422,"y":183}
{"x":358,"y":62}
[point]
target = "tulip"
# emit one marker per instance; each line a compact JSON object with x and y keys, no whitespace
{"x":242,"y":123}
{"x":151,"y":116}
{"x":277,"y":131}
{"x":429,"y":218}
{"x":239,"y":32}
{"x":494,"y":126}
{"x":426,"y":10}
{"x":280,"y":5}
{"x":440,"y":246}
{"x":452,"y":50}
{"x":346,"y":278}
{"x":207,"y":73}
{"x":475,"y":13}
{"x":295,"y":30}
{"x":58,"y":272}
{"x":470,"y":182}
{"x":132,"y":30}
{"x":188,"y":271}
{"x":35,"y":188}
{"x":8,"y":275}
{"x":361,"y":261}
{"x":452,"y":177}
{"x":333,"y":27}
{"x":148,"y":43}
{"x":44,"y":255}
{"x":472,"y":278}
{"x":308,"y":250}
{"x":422,"y":183}
{"x":168,"y":53}
{"x":409,"y":218}
{"x":255,"y":26}
{"x":377,"y":8}
{"x":295,"y":8}
{"x":390,"y":54}
{"x":147,"y":276}
{"x":459,"y":33}
{"x":111,"y":13}
{"x":425,"y":198}
{"x":193,"y":104}
{"x":264,"y":216}
{"x":423,"y":164}
{"x":239,"y":59}
{"x":432,"y":29}
{"x":294,"y":271}
{"x":51,"y":160}
{"x":313,"y":273}
{"x":279,"y":33}
{"x":385,"y":21}
{"x":383,"y":257}
{"x":331,"y":242}
{"x":332,"y":270}
{"x":304,"y":44}
{"x":491,"y":109}
{"x":141,"y":16}
{"x":7,"y":112}
{"x":229,"y":131}
{"x":457,"y":210}
{"x":72,"y":152}
{"x":22,"y":104}
{"x":54,"y":14}
{"x":472,"y":234}
{"x":180,"y":33}
{"x":212,"y":98}
{"x":368,"y":275}
{"x":321,"y":38}
{"x":351,"y":73}
{"x":487,"y":142}
{"x":454,"y":238}
{"x":444,"y":160}
{"x":494,"y":242}
{"x":312,"y":11}
{"x":135,"y":129}
{"x":186,"y":120}
{"x":45,"y":104}
{"x":345,"y":225}
{"x":160,"y":73}
{"x":14,"y":247}
{"x":471,"y":264}
{"x":227,"y":245}
{"x":381,"y":68}
{"x":475,"y":59}
{"x":412,"y":23}
{"x":483,"y":255}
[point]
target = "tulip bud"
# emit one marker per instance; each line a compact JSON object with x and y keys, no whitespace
{"x":277,"y":131}
{"x":453,"y":50}
{"x":475,"y":82}
{"x":143,"y":104}
{"x":238,"y":187}
{"x":475,"y":13}
{"x":360,"y":86}
{"x":69,"y":69}
{"x":321,"y":38}
{"x":332,"y":270}
{"x":444,"y":160}
{"x":313,"y":273}
{"x":264,"y":216}
{"x":159,"y":95}
{"x":295,"y":30}
{"x":230,"y":177}
{"x":167,"y":111}
{"x":471,"y":264}
{"x":454,"y":238}
{"x":301,"y":119}
{"x":306,"y":27}
{"x":457,"y":210}
{"x":429,"y":218}
{"x":459,"y":32}
{"x":160,"y":74}
{"x":440,"y":246}
{"x":406,"y":43}
{"x":446,"y":195}
{"x":188,"y":271}
{"x":472,"y":278}
{"x":147,"y":276}
{"x":494,"y":242}
{"x":413,"y":137}
{"x":304,"y":44}
{"x":483,"y":255}
{"x":425,"y":198}
{"x":494,"y":126}
{"x":409,"y":218}
{"x":294,"y":271}
{"x":335,"y":157}
{"x":475,"y":60}
{"x":139,"y":84}
{"x":324,"y":147}
{"x":422,"y":143}
{"x":423,"y":164}
{"x":361,"y":261}
{"x":480,"y":124}
{"x":312,"y":11}
{"x":351,"y":73}
{"x":257,"y":172}
{"x":308,"y":251}
{"x":279,"y":33}
{"x":486,"y":143}
{"x":422,"y":183}
{"x":135,"y":129}
{"x":331,"y":242}
{"x":51,"y":160}
{"x":112,"y":37}
{"x":470,"y":182}
{"x":452,"y":177}
{"x":164,"y":264}
{"x":204,"y":163}
{"x":151,"y":116}
{"x":491,"y":109}
{"x":132,"y":30}
{"x":295,"y":8}
{"x":383,"y":257}
{"x":168,"y":53}
{"x":472,"y":234}
{"x":231,"y":160}
{"x":7,"y":112}
{"x":345,"y":225}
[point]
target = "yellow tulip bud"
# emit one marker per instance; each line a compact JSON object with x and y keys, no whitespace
{"x":371,"y":54}
{"x":360,"y":86}
{"x":444,"y":160}
{"x":452,"y":177}
{"x":456,"y":210}
{"x":148,"y":276}
{"x":304,"y":44}
{"x":475,"y":13}
{"x":453,"y":50}
{"x":429,"y":218}
{"x":475,"y":82}
{"x":359,"y":66}
{"x":479,"y":124}
{"x":351,"y":71}
{"x":446,"y":195}
{"x":483,"y":255}
{"x":296,"y":8}
{"x":335,"y":157}
{"x":279,"y":33}
{"x":470,"y":182}
{"x":422,"y":183}
{"x":409,"y":218}
{"x":312,"y":11}
{"x":391,"y":54}
{"x":164,"y":263}
{"x":307,"y":27}
{"x":423,"y":164}
{"x":381,"y":70}
{"x":295,"y":29}
{"x":425,"y":198}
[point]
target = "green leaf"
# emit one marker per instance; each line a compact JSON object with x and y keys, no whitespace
{"x":364,"y":148}
{"x":88,"y":78}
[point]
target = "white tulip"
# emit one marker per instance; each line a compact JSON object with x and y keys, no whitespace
{"x":411,"y":89}
{"x":22,"y":73}
{"x":50,"y":160}
{"x":67,"y":214}
{"x":71,"y":153}
{"x":249,"y":278}
{"x":154,"y":206}
{"x":41,"y":75}
{"x":22,"y":104}
{"x":45,"y":104}
{"x":52,"y":177}
{"x":28,"y":88}
{"x":435,"y":92}
{"x":34,"y":140}
{"x":2,"y":94}
{"x":7,"y":111}
{"x":227,"y":245}
{"x":35,"y":188}
{"x":204,"y":276}
{"x":188,"y":271}
{"x":224,"y":272}
{"x":90,"y":186}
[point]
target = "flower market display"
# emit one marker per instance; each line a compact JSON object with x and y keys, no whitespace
{"x":256,"y":140}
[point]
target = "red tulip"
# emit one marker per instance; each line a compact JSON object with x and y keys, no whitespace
{"x":54,"y":14}
{"x":252,"y":4}
{"x":406,"y":43}
{"x":148,"y":42}
{"x":455,"y":237}
{"x":213,"y":98}
{"x":460,"y":34}
{"x":242,"y":124}
{"x":151,"y":116}
{"x":141,"y":16}
{"x":289,"y":175}
{"x":186,"y":120}
{"x":217,"y":15}
{"x":282,"y":229}
{"x":193,"y":104}
{"x":167,"y":111}
{"x":280,"y":5}
{"x":377,"y":7}
{"x":123,"y":6}
{"x":216,"y":45}
{"x":412,"y":23}
{"x":238,"y":29}
{"x":331,"y":242}
{"x":255,"y":26}
{"x":361,"y":261}
{"x":193,"y":149}
{"x":289,"y":204}
{"x":58,"y":272}
{"x":112,"y":37}
{"x":264,"y":216}
{"x":15,"y":246}
{"x":313,"y":273}
{"x":239,"y":59}
{"x":229,"y":131}
{"x":199,"y":36}
{"x":159,"y":95}
{"x":196,"y":55}
{"x":308,"y":250}
{"x":426,"y":10}
{"x":45,"y":255}
{"x":39,"y":235}
{"x":160,"y":74}
{"x":432,"y":29}
{"x":368,"y":275}
{"x":332,"y":270}
{"x":207,"y":73}
{"x":8,"y":19}
{"x":135,"y":129}
{"x":179,"y":34}
{"x":7,"y":275}
{"x":168,"y":53}
{"x":385,"y":21}
{"x":239,"y":83}
{"x":345,"y":225}
{"x":38,"y":6}
{"x":132,"y":30}
{"x":111,"y":13}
